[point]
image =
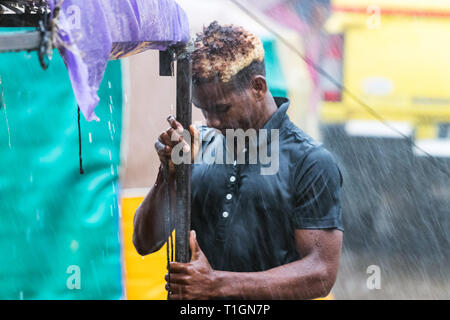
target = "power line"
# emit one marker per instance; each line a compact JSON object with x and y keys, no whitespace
{"x":341,"y":87}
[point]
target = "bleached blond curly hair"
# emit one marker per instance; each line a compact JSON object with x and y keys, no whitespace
{"x":224,"y":51}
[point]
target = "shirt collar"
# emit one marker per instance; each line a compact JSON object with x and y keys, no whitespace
{"x":277,"y":118}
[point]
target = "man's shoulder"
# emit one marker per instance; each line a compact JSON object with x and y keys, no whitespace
{"x":299,"y":141}
{"x":306,"y":149}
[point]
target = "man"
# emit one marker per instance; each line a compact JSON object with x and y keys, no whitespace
{"x":276,"y":235}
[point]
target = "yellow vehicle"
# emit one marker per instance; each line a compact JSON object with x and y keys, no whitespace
{"x":395,"y":57}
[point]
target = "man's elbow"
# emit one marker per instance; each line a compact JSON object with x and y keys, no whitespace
{"x":141,"y":249}
{"x":325,"y":282}
{"x":138,"y":245}
{"x":144,"y":249}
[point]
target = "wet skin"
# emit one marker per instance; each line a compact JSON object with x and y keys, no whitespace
{"x":312,"y":276}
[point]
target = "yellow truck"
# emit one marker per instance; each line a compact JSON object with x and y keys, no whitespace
{"x":395,"y":57}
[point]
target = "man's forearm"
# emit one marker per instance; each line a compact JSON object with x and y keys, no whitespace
{"x":302,"y":279}
{"x":149,"y":223}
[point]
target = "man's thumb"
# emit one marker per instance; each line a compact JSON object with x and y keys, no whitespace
{"x":195,"y":141}
{"x":195,"y":248}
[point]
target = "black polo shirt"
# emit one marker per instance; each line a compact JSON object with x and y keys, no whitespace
{"x":244,"y":220}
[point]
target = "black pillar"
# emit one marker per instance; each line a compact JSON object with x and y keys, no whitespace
{"x":183,"y":171}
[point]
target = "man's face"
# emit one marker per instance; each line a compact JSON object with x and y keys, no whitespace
{"x":225,"y":107}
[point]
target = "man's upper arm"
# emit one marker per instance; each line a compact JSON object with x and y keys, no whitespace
{"x":317,"y":192}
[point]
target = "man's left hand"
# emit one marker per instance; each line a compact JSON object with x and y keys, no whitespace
{"x":194,"y":280}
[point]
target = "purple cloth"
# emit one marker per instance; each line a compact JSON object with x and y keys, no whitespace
{"x":92,"y":32}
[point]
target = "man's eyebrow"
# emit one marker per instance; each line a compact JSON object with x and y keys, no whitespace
{"x":212,"y":106}
{"x":222,"y":105}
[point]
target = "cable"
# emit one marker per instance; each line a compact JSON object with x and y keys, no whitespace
{"x":341,"y":87}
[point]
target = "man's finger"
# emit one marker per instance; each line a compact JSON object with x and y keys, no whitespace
{"x":178,"y":267}
{"x":177,"y":134}
{"x":164,"y":152}
{"x":162,"y":149}
{"x":176,"y":278}
{"x":175,"y":124}
{"x":176,"y":292}
{"x":170,"y":137}
{"x":195,"y":134}
{"x":195,"y":248}
{"x":176,"y":296}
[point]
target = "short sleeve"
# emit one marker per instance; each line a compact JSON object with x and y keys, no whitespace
{"x":318,"y":183}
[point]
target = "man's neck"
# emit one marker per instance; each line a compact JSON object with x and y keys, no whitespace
{"x":270,"y":108}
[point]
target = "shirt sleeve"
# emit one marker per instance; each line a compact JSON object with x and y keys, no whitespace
{"x":318,"y":183}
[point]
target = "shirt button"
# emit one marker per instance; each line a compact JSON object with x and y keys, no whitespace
{"x":225,"y":214}
{"x":229,"y":196}
{"x":232,"y":179}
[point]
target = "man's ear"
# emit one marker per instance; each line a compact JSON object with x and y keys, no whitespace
{"x":259,"y":87}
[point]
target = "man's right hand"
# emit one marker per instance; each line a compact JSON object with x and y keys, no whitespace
{"x":169,"y":138}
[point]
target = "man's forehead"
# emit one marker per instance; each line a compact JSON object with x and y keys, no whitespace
{"x":211,"y":93}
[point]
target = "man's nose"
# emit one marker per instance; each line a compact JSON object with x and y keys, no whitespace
{"x":213,"y":122}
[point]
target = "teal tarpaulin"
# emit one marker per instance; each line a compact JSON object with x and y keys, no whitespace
{"x":59,"y":230}
{"x":274,"y":74}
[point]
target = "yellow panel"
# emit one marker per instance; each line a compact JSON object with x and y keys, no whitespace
{"x":406,"y":56}
{"x":328,"y":297}
{"x":144,"y":276}
{"x":410,"y":55}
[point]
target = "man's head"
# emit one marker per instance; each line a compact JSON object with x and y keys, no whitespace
{"x":229,"y":77}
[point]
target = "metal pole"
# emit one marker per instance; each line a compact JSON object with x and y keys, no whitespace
{"x":24,"y":41}
{"x":183,"y":172}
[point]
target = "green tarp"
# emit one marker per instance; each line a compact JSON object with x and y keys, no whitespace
{"x":58,"y":229}
{"x":274,"y":73}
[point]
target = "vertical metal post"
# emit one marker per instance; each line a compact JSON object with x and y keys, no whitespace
{"x":183,"y":171}
{"x":165,"y":64}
